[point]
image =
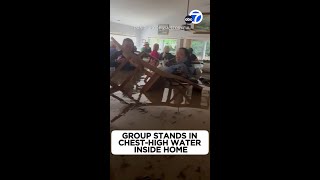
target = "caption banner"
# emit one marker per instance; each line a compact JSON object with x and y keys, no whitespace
{"x":174,"y":142}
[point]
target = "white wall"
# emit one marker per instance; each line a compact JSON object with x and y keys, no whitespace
{"x":147,"y":32}
{"x":121,"y":29}
{"x":176,"y":34}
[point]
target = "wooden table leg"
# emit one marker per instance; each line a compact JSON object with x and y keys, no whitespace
{"x":149,"y":84}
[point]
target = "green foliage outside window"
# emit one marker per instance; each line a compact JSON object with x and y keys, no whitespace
{"x":197,"y":45}
{"x":198,"y":48}
{"x":208,"y":49}
{"x":172,"y":43}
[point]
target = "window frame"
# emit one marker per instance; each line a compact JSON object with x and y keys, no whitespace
{"x":204,"y":49}
{"x":161,"y":45}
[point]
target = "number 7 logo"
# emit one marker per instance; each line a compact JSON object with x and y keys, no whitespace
{"x":196,"y":16}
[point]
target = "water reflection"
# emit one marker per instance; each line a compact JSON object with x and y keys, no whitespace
{"x":174,"y":95}
{"x":161,"y":95}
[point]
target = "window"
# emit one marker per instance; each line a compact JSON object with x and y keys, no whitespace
{"x":120,"y":38}
{"x":152,"y":41}
{"x":207,"y":51}
{"x":201,"y":49}
{"x":172,"y":43}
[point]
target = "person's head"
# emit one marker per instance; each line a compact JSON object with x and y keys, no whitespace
{"x":128,"y":44}
{"x":146,"y":45}
{"x":135,"y":48}
{"x":156,"y":47}
{"x":166,"y":49}
{"x":112,"y":45}
{"x":190,"y":50}
{"x":182,"y":54}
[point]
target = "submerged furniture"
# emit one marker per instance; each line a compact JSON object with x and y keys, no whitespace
{"x":176,"y":82}
{"x":167,"y":97}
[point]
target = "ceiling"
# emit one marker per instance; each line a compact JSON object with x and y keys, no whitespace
{"x":153,"y":12}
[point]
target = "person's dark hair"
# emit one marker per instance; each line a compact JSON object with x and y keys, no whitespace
{"x":128,"y":39}
{"x":190,"y":50}
{"x":186,"y":52}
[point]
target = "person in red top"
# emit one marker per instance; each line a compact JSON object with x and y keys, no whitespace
{"x":155,"y":56}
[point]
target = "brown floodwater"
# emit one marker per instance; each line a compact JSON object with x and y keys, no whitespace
{"x":153,"y":111}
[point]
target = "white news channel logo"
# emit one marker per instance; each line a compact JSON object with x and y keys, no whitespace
{"x":196,"y":16}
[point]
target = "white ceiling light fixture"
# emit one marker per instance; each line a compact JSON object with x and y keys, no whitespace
{"x":187,"y":27}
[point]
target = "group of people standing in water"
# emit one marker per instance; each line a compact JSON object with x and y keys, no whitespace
{"x":180,"y":64}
